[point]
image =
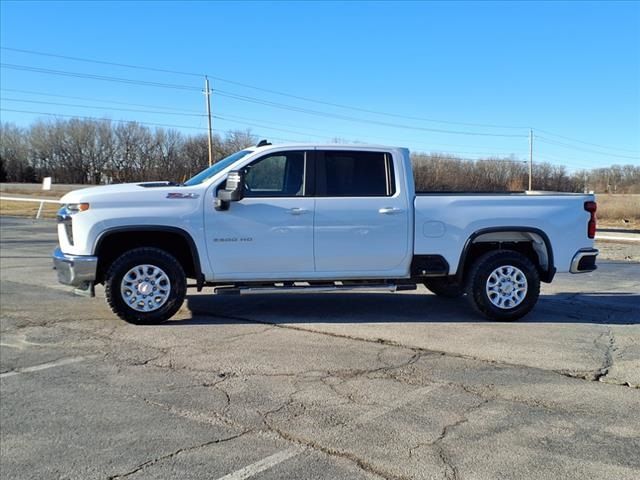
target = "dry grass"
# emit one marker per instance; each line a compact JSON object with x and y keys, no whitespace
{"x":32,"y":190}
{"x":35,"y":189}
{"x":27,"y":209}
{"x":619,"y":210}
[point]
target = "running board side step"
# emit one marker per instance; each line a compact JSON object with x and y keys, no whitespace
{"x":248,"y":290}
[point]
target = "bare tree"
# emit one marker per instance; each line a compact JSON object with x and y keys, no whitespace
{"x":14,"y":151}
{"x":102,"y":151}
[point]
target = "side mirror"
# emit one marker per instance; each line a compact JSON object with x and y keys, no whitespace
{"x":232,"y":192}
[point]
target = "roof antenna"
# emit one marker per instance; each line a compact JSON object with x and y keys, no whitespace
{"x":263,"y":143}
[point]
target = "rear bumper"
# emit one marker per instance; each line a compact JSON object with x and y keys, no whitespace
{"x":584,"y":261}
{"x":75,"y":270}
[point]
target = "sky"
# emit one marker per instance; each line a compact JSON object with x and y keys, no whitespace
{"x":466,"y":78}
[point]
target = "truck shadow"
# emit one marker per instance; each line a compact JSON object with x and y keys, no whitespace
{"x":592,"y":308}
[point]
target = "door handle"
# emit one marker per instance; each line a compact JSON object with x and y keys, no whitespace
{"x":298,"y":211}
{"x":389,"y":210}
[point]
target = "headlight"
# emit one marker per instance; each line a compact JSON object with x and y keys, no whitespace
{"x":69,"y":209}
{"x":76,"y":207}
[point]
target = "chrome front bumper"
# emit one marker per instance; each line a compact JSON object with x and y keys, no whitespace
{"x":75,"y":270}
{"x":584,"y":261}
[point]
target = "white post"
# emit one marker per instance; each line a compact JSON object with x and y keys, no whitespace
{"x":46,"y":185}
{"x":530,"y":156}
{"x":39,"y":210}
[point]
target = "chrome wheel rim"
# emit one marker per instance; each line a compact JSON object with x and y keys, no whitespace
{"x":145,"y":288}
{"x":507,"y":287}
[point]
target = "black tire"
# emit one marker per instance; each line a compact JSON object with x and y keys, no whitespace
{"x":145,"y":256}
{"x":443,"y":287}
{"x":477,"y":285}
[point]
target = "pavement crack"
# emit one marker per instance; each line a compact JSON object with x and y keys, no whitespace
{"x":585,"y":375}
{"x":290,"y":401}
{"x":450,"y":469}
{"x":608,"y":357}
{"x":600,"y":375}
{"x":232,"y":338}
{"x":493,"y":395}
{"x":211,"y":418}
{"x":175,"y":453}
{"x":334,"y":452}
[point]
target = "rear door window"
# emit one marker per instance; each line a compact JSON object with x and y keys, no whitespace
{"x":355,"y":174}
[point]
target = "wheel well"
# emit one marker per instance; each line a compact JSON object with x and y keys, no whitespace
{"x":180,"y":245}
{"x":532,"y":245}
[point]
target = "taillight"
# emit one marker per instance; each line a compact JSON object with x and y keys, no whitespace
{"x":591,"y":207}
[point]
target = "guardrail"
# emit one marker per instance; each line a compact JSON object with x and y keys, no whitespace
{"x":21,"y":199}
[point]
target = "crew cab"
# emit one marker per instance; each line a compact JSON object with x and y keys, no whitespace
{"x":317,"y":218}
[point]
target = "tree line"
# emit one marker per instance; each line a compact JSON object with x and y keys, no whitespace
{"x":84,"y":151}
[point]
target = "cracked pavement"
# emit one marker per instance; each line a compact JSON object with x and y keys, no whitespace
{"x":335,"y":386}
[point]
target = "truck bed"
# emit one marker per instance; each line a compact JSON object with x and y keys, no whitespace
{"x":444,"y":221}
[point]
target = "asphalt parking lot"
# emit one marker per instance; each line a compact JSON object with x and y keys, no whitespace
{"x":396,"y":386}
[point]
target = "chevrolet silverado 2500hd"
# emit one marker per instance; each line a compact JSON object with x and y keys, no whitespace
{"x":316,"y":218}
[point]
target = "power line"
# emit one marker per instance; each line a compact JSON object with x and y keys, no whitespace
{"x":249,"y":99}
{"x":586,"y":143}
{"x":230,"y":131}
{"x":233,"y":131}
{"x":224,"y":117}
{"x":240,"y":120}
{"x":246,"y":98}
{"x":561,"y":162}
{"x":130,"y":122}
{"x":235,"y":117}
{"x":105,"y":78}
{"x":95,"y":106}
{"x":102,"y":119}
{"x":101,"y":62}
{"x":277,"y":105}
{"x":298,"y":97}
{"x":573,"y":147}
{"x":220,"y":117}
{"x":266,"y":90}
{"x":93,"y":99}
{"x":432,"y":147}
{"x":468,"y":159}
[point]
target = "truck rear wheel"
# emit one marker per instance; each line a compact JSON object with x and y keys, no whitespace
{"x":503,"y":285}
{"x":145,"y":286}
{"x":443,"y":287}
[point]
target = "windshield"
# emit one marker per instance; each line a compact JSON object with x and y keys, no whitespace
{"x":216,"y":168}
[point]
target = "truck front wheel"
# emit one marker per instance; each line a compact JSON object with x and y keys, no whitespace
{"x":145,"y":286}
{"x":503,"y":285}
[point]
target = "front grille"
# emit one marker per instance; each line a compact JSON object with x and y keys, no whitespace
{"x":68,"y":228}
{"x":64,"y":217}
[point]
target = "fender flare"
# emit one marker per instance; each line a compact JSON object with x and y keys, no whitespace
{"x":547,"y":276}
{"x":158,"y":228}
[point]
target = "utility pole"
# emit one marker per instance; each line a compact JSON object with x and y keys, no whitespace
{"x":207,"y":94}
{"x":530,"y":156}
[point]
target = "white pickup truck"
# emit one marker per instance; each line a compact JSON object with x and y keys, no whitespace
{"x":316,"y":218}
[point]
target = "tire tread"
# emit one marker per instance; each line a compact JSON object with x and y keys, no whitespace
{"x":477,"y":296}
{"x":112,"y":288}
